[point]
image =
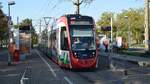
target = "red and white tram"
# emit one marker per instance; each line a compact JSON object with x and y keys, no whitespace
{"x":71,"y":42}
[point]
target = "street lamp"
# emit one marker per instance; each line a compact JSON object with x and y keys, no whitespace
{"x":146,"y":25}
{"x":129,"y":39}
{"x":9,"y":27}
{"x":9,"y":17}
{"x":9,"y":4}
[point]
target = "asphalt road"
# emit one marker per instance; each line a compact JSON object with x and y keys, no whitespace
{"x":38,"y":69}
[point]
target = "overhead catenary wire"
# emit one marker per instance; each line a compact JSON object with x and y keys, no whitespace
{"x":47,"y":7}
{"x":40,"y":9}
{"x":53,"y":7}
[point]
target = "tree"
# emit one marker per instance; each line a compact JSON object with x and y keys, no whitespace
{"x":3,"y":26}
{"x":105,"y":20}
{"x":26,"y":22}
{"x":134,"y":24}
{"x":121,"y":25}
{"x":84,"y":1}
{"x":34,"y":36}
{"x":77,"y":3}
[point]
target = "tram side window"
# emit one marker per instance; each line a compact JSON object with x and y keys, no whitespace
{"x":52,"y":39}
{"x":64,"y":39}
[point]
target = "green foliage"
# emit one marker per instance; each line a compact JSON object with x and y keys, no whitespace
{"x":25,"y":22}
{"x":122,"y":24}
{"x":28,"y":22}
{"x":3,"y":26}
{"x":134,"y":24}
{"x":105,"y":21}
{"x":16,"y":26}
{"x":34,"y":38}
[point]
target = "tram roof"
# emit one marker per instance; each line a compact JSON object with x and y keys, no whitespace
{"x":78,"y":17}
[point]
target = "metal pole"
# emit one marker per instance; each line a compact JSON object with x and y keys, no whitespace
{"x":147,"y":25}
{"x":18,"y":22}
{"x":47,"y":20}
{"x":111,"y":33}
{"x":40,"y":31}
{"x":77,"y":4}
{"x":78,"y":7}
{"x":128,"y":31}
{"x":129,"y":36}
{"x":9,"y":28}
{"x":111,"y":30}
{"x":40,"y":26}
{"x":9,"y":57}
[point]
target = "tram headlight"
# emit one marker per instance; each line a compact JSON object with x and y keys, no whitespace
{"x":75,"y":54}
{"x":93,"y":54}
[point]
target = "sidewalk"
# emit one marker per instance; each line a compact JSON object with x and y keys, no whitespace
{"x":141,"y":61}
{"x":32,"y":70}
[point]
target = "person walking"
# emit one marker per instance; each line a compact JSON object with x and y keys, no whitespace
{"x":106,"y":43}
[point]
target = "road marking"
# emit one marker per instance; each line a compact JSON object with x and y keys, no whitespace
{"x":130,"y":77}
{"x":11,"y":75}
{"x":51,"y":69}
{"x":49,"y":66}
{"x":23,"y":76}
{"x":68,"y":80}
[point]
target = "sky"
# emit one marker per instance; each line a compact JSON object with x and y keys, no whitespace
{"x":37,"y":9}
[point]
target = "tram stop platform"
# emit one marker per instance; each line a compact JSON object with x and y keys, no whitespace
{"x":32,"y":70}
{"x":140,"y":61}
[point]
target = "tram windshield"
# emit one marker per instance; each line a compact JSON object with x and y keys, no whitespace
{"x":82,"y":38}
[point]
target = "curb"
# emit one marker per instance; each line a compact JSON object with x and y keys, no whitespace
{"x":141,"y":61}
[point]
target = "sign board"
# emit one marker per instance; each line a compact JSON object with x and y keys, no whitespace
{"x":80,"y":22}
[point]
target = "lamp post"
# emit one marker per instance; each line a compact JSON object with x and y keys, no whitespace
{"x":111,"y":38}
{"x":129,"y":38}
{"x":9,"y":27}
{"x":146,"y":25}
{"x":111,"y":29}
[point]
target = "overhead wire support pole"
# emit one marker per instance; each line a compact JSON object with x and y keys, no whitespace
{"x":77,"y":4}
{"x":47,"y":21}
{"x":40,"y":31}
{"x":147,"y":42}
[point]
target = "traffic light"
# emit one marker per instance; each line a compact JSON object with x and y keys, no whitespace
{"x":106,"y":28}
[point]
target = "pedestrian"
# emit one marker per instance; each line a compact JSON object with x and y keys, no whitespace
{"x":106,"y":43}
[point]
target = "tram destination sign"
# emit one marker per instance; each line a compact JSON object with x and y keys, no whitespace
{"x":74,"y":22}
